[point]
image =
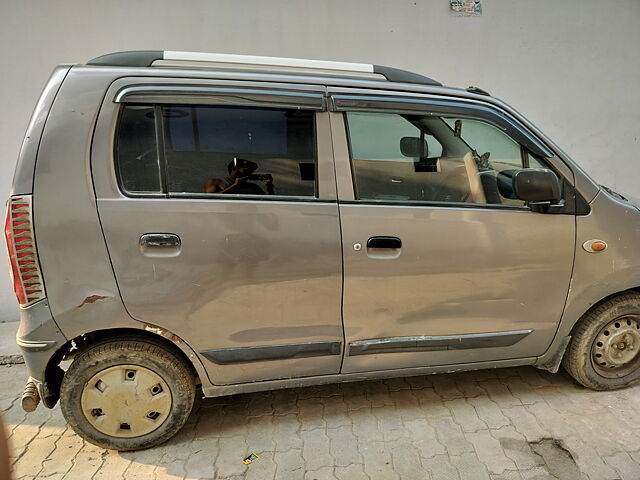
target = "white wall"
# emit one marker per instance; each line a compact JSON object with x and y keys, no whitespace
{"x":572,"y":66}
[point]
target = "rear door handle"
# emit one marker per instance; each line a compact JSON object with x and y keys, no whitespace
{"x":384,"y":242}
{"x":160,"y":240}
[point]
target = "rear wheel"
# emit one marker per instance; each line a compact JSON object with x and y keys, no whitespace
{"x":604,"y":349}
{"x":127,"y":394}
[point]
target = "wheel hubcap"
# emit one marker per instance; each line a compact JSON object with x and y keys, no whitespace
{"x":126,"y":401}
{"x":615,"y":349}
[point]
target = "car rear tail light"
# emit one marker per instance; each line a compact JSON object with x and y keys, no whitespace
{"x":21,"y":246}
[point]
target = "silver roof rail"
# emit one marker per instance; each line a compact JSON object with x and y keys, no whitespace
{"x":146,"y":58}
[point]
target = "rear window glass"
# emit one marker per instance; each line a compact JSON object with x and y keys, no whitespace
{"x":136,"y":150}
{"x":217,"y":150}
{"x":239,"y":150}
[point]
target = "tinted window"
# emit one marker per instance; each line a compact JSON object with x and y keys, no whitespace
{"x":239,"y":150}
{"x":136,"y":150}
{"x":429,"y":158}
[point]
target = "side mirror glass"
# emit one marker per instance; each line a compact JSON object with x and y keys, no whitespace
{"x":537,"y":186}
{"x":410,"y":147}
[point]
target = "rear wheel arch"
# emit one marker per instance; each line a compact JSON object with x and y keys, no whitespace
{"x":54,"y":373}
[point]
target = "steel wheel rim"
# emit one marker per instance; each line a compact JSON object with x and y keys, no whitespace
{"x":615,"y":349}
{"x":126,"y":401}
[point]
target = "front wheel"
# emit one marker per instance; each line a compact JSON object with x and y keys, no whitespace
{"x":604,"y":349}
{"x":127,"y":394}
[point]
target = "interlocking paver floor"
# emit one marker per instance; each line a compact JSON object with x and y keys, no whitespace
{"x":517,"y":423}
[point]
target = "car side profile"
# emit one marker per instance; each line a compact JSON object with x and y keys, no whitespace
{"x":186,"y":222}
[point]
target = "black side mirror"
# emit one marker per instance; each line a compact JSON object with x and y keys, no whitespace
{"x":410,"y":147}
{"x":537,"y":186}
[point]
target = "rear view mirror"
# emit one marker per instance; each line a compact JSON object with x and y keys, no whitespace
{"x":537,"y":186}
{"x":410,"y":147}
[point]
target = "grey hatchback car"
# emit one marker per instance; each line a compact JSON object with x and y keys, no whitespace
{"x":187,"y":222}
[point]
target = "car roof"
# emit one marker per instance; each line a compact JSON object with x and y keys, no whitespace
{"x":147,"y":58}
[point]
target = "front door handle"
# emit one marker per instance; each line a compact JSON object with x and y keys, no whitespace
{"x":384,"y":242}
{"x":160,"y":240}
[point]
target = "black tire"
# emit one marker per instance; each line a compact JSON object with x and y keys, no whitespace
{"x":580,"y":358}
{"x":152,"y":358}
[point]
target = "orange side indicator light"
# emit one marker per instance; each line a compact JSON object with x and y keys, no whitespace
{"x":594,"y":246}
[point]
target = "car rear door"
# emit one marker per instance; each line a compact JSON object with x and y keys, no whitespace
{"x":218,"y":205}
{"x":442,"y":264}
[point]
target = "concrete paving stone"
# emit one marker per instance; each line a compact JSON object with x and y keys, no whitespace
{"x":407,"y":405}
{"x":260,"y":434}
{"x":624,"y":465}
{"x":230,"y":422}
{"x":499,"y":392}
{"x":470,"y":467}
{"x":406,"y":460}
{"x":489,"y":412}
{"x":551,"y":420}
{"x":432,"y":404}
{"x":87,"y":462}
{"x":311,"y":413}
{"x":61,"y":459}
{"x":450,"y":435}
{"x":354,"y":395}
{"x":439,"y":467}
{"x":419,"y":382}
{"x":290,"y":465}
{"x":284,"y":402}
{"x":465,"y":415}
{"x":330,"y":390}
{"x":535,"y":377}
{"x":231,"y":452}
{"x":261,"y":404}
{"x":377,"y":393}
{"x":588,"y":460}
{"x":113,"y":466}
{"x":506,"y":475}
{"x":285,"y":432}
{"x":31,"y":462}
{"x":350,"y":472}
{"x":537,"y":473}
{"x":445,"y":386}
{"x":365,"y":425}
{"x":344,"y":446}
{"x":517,"y":448}
{"x":262,"y":469}
{"x":469,"y":387}
{"x":316,"y":449}
{"x":389,"y":423}
{"x":377,"y":461}
{"x":424,"y":438}
{"x":511,"y":424}
{"x":336,"y":412}
{"x":325,"y":473}
{"x":523,"y":391}
{"x":204,"y":453}
{"x":397,"y":384}
{"x":525,"y":423}
{"x":10,"y":353}
{"x":490,"y":452}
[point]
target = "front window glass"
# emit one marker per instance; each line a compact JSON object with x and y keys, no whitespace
{"x":428,"y":158}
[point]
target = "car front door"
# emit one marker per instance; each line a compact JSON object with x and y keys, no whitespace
{"x":443,"y":265}
{"x":218,"y":205}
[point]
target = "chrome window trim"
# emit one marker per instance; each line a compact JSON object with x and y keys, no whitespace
{"x":209,"y":95}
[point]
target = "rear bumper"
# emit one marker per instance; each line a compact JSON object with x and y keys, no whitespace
{"x":39,"y":338}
